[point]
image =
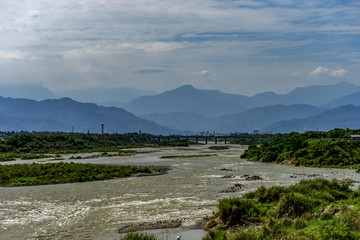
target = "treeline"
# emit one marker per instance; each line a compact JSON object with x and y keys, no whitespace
{"x":319,"y":149}
{"x":250,"y":139}
{"x":27,"y":145}
{"x":310,"y":209}
{"x":51,"y":173}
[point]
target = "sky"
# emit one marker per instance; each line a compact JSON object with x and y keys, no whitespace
{"x":239,"y":46}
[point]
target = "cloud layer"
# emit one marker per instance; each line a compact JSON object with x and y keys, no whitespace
{"x":246,"y":46}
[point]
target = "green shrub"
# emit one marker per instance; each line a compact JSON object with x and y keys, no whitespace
{"x":326,"y":216}
{"x":292,"y":205}
{"x":339,"y":231}
{"x":269,"y":195}
{"x":250,"y":195}
{"x":270,"y":156}
{"x":245,"y":235}
{"x":234,"y":211}
{"x":294,"y":212}
{"x":215,"y":235}
{"x":299,"y":223}
{"x":139,"y":236}
{"x":352,"y":219}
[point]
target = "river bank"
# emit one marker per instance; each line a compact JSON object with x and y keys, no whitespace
{"x":189,"y":191}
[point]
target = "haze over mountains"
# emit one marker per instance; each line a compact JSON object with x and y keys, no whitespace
{"x":30,"y":91}
{"x":347,"y":116}
{"x":66,"y":114}
{"x":180,"y":110}
{"x":105,"y":96}
{"x":215,"y":103}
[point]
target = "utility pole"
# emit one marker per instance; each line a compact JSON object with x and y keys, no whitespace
{"x":102,"y":129}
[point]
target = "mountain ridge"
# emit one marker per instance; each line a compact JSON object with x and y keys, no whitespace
{"x":341,"y":117}
{"x":83,"y":116}
{"x":214,"y":103}
{"x":184,"y":108}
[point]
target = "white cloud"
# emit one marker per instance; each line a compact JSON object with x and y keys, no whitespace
{"x":203,"y":73}
{"x":325,"y":72}
{"x":339,"y":73}
{"x":12,"y":55}
{"x":107,"y":41}
{"x":320,"y":71}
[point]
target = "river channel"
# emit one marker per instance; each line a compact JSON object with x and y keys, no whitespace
{"x":189,"y":191}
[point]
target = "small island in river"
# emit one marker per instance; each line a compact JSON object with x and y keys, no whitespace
{"x":61,"y":172}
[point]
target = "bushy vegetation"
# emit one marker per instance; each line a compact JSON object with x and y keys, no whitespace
{"x":50,"y":173}
{"x":310,"y":209}
{"x":232,"y":210}
{"x":139,"y":236}
{"x":174,"y":143}
{"x":250,"y":139}
{"x":331,"y":149}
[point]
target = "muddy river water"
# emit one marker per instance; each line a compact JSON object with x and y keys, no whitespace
{"x":190,"y":191}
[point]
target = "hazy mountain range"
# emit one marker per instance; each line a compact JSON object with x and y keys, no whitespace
{"x":342,"y":117}
{"x":30,"y":91}
{"x":212,"y":103}
{"x":105,"y":96}
{"x":66,"y":114}
{"x":102,"y":96}
{"x":346,"y":100}
{"x":182,"y":109}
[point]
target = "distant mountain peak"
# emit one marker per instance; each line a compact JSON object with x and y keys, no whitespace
{"x":28,"y":91}
{"x":184,"y":88}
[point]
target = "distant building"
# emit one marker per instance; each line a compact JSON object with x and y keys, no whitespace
{"x":355,"y":137}
{"x":203,"y":133}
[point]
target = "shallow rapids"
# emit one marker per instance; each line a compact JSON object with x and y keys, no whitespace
{"x":96,"y":210}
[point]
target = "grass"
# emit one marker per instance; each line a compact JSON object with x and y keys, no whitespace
{"x":51,"y":173}
{"x":139,"y":236}
{"x":311,"y":209}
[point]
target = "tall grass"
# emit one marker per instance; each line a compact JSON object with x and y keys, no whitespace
{"x":310,"y":209}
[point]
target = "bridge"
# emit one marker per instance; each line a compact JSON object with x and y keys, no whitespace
{"x":197,"y":138}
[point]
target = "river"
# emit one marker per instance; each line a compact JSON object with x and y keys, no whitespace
{"x":96,"y":210}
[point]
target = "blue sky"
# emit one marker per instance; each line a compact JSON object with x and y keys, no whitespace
{"x":237,"y":46}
